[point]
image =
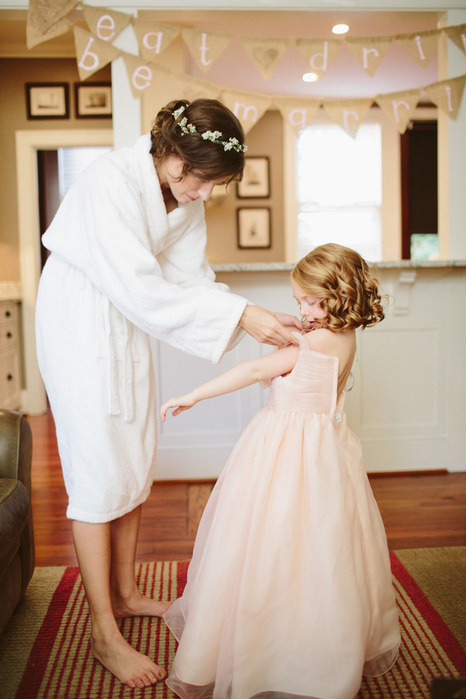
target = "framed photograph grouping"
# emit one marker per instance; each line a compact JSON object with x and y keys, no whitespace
{"x":256,"y":179}
{"x":47,"y":100}
{"x":254,"y":228}
{"x":93,"y":100}
{"x":52,"y":100}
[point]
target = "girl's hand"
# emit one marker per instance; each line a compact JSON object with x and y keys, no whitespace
{"x":267,"y":327}
{"x":180,"y":404}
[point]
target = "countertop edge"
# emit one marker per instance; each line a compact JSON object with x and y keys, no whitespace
{"x":288,"y":266}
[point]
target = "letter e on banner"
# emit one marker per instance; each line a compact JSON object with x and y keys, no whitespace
{"x":142,"y":77}
{"x":105,"y":28}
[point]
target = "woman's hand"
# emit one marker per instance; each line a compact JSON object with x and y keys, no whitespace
{"x":268,"y":327}
{"x":180,"y":404}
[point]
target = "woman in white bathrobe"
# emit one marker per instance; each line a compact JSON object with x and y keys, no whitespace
{"x":128,"y":263}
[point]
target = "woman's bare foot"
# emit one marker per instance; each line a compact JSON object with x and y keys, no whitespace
{"x":127,"y":664}
{"x":137,"y":604}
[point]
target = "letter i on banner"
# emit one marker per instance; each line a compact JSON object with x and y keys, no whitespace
{"x":457,"y":35}
{"x":420,"y":46}
{"x":91,"y":54}
{"x":447,"y":95}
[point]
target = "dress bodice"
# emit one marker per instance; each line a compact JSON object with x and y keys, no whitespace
{"x":311,"y":387}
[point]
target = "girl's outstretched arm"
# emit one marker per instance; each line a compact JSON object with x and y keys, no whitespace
{"x":274,"y":364}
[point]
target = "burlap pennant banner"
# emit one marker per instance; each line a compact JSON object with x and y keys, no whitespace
{"x":190,"y":88}
{"x":205,"y":47}
{"x":447,"y":95}
{"x":457,"y":35}
{"x":92,"y":54}
{"x":349,"y":113}
{"x":43,"y":14}
{"x":248,"y":107}
{"x":105,"y":24}
{"x":154,"y":37}
{"x":140,"y":73}
{"x":34,"y":36}
{"x":299,"y":113}
{"x":266,"y":54}
{"x":319,"y":54}
{"x":369,"y":51}
{"x":421,"y":46}
{"x":399,"y":107}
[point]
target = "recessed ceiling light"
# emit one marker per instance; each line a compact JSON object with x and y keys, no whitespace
{"x":310,"y":77}
{"x":340,"y":28}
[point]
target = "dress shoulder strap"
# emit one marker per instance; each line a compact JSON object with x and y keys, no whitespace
{"x":303,"y":344}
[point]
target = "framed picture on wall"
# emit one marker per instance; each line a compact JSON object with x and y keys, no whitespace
{"x":256,"y":178}
{"x":47,"y":100}
{"x":254,"y":228}
{"x":93,"y":100}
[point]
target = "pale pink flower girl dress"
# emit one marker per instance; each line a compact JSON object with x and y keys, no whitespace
{"x":289,"y":591}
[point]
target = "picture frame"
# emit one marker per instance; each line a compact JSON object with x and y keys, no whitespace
{"x":256,"y":178}
{"x":47,"y":100}
{"x":254,"y":228}
{"x":93,"y":100}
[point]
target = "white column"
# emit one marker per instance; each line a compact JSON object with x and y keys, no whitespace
{"x":126,"y":108}
{"x":452,"y":156}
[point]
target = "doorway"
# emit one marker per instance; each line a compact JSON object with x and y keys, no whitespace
{"x":33,"y":399}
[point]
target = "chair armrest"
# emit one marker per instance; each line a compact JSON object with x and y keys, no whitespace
{"x":15,"y":447}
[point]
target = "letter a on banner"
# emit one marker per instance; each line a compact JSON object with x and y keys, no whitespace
{"x":154,"y":37}
{"x":91,"y":53}
{"x":205,"y":47}
{"x":299,"y":113}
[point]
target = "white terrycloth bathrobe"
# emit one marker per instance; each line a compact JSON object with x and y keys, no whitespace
{"x":121,"y":271}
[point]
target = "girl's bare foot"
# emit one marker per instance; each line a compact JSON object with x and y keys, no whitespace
{"x":137,"y":604}
{"x":123,"y":661}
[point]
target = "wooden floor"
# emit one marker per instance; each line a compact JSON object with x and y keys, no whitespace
{"x":418,"y":510}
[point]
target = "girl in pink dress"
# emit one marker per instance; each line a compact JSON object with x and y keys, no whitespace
{"x":289,"y":592}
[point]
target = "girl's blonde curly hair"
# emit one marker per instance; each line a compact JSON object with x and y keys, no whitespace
{"x":341,"y":279}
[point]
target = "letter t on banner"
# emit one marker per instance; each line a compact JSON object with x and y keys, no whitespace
{"x":205,"y":47}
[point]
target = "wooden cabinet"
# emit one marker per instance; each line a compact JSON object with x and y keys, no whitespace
{"x":10,"y":356}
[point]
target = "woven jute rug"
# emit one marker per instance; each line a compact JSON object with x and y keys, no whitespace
{"x":45,"y":650}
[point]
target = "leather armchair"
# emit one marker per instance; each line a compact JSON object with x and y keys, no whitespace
{"x":17,"y":552}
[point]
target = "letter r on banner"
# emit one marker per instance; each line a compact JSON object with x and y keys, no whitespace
{"x":346,"y":114}
{"x":396,"y":104}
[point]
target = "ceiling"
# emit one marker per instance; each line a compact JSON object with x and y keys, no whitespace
{"x":344,"y":78}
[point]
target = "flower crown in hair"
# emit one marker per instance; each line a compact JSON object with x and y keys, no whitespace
{"x":214,"y":136}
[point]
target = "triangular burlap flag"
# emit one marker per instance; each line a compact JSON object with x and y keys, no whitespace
{"x":190,"y":88}
{"x":265,"y":53}
{"x":43,"y":14}
{"x":154,"y":37}
{"x":399,"y":107}
{"x":319,"y":53}
{"x":34,"y":36}
{"x":91,"y":53}
{"x":105,"y":24}
{"x":369,"y":51}
{"x":141,"y":73}
{"x":348,"y":113}
{"x":421,"y":46}
{"x":457,"y":35}
{"x":205,"y":47}
{"x":299,"y":113}
{"x":248,"y":107}
{"x":447,"y":95}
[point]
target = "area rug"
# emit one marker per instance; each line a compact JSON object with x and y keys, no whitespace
{"x":45,"y":651}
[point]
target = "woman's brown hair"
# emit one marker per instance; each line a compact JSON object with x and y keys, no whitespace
{"x":347,"y":289}
{"x":205,"y":159}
